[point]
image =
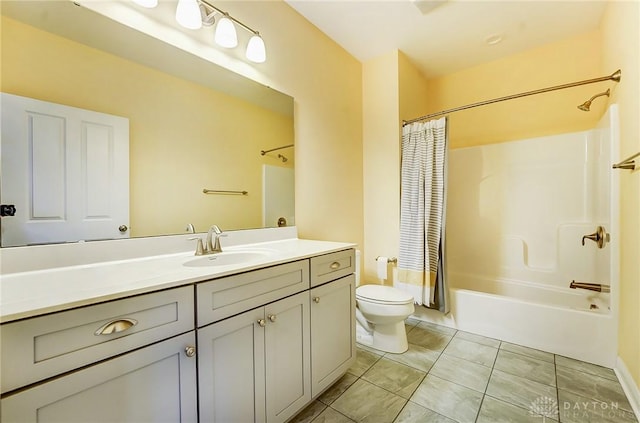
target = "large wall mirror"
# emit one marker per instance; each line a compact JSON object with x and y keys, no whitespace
{"x":192,"y":125}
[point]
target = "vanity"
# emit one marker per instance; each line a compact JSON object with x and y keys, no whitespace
{"x":174,"y":337}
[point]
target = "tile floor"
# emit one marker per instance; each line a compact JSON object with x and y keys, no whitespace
{"x":454,"y":376}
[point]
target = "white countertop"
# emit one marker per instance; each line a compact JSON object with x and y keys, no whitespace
{"x":33,"y":293}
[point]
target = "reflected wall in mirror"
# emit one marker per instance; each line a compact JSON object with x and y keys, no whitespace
{"x":193,"y":125}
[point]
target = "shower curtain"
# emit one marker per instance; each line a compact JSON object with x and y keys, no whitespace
{"x":422,"y":213}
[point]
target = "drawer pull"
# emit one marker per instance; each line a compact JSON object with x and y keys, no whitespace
{"x":316,"y":300}
{"x":262,"y":323}
{"x":272,"y":318}
{"x":115,"y":326}
{"x":335,"y":265}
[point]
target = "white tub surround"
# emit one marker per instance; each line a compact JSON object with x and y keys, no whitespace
{"x":517,"y":215}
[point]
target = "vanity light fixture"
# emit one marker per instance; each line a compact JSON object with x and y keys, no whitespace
{"x":188,"y":14}
{"x":193,"y":14}
{"x":226,"y":35}
{"x":256,"y":51}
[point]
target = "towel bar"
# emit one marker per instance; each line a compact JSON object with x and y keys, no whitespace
{"x":217,"y":191}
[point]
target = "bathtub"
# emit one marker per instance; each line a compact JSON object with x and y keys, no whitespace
{"x":558,"y":320}
{"x":516,"y":215}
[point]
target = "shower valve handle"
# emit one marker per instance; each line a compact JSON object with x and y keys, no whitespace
{"x":600,"y":236}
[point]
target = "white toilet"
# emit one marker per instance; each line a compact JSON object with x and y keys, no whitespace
{"x":380,"y":314}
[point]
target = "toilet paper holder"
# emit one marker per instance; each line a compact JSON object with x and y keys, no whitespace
{"x":390,"y":259}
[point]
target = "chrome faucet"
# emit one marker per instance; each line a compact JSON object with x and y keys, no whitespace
{"x":212,"y":245}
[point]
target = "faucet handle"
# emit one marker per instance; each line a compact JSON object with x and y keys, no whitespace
{"x":199,"y":246}
{"x":216,"y":229}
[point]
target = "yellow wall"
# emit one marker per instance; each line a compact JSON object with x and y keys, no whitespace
{"x":392,"y":87}
{"x":394,"y":90}
{"x":381,"y":152}
{"x":621,"y":49}
{"x":178,"y":130}
{"x":326,"y":83}
{"x":414,"y":89}
{"x":573,"y":59}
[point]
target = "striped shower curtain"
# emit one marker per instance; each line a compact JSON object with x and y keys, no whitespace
{"x":422,"y":213}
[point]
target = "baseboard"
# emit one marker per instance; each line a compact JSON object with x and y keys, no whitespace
{"x":629,"y":386}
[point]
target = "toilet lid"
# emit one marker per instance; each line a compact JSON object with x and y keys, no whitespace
{"x":383,"y":294}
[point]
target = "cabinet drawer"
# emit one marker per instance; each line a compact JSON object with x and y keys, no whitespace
{"x":41,"y":347}
{"x":332,"y":266}
{"x":224,"y":297}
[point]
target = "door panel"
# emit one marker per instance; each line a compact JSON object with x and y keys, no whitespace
{"x":66,"y":170}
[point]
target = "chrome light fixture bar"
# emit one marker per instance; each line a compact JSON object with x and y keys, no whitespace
{"x":226,"y":34}
{"x":193,"y":14}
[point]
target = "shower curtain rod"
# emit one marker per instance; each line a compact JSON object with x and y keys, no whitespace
{"x":613,"y":77}
{"x":263,"y":152}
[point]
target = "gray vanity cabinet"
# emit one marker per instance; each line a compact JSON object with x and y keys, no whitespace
{"x":153,"y":384}
{"x":333,"y":332}
{"x":119,"y":361}
{"x":269,"y":340}
{"x":254,"y":367}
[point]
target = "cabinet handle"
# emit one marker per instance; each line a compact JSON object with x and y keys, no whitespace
{"x":335,"y":265}
{"x":115,"y":326}
{"x":262,"y":322}
{"x":316,"y":299}
{"x":190,"y":351}
{"x":272,"y":317}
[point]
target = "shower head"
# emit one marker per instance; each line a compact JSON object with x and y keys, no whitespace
{"x":283,"y":158}
{"x":587,"y":104}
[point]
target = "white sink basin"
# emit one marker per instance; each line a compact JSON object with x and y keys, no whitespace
{"x":226,"y":258}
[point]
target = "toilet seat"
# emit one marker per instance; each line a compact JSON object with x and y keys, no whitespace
{"x":381,"y":294}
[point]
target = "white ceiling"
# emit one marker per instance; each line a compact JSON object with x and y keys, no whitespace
{"x":450,"y":37}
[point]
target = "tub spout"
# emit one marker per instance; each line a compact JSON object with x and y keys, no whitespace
{"x":590,"y":286}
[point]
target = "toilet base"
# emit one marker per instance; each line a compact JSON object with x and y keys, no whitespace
{"x":390,"y":338}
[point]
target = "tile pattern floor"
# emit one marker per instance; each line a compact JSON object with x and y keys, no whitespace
{"x":453,"y":376}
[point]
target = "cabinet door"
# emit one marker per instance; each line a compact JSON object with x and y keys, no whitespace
{"x":333,"y":332}
{"x":153,"y":384}
{"x":231,"y":369}
{"x":287,"y":344}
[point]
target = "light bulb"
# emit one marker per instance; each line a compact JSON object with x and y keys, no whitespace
{"x":188,"y":14}
{"x":226,"y":33}
{"x":149,"y":4}
{"x":256,"y":51}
